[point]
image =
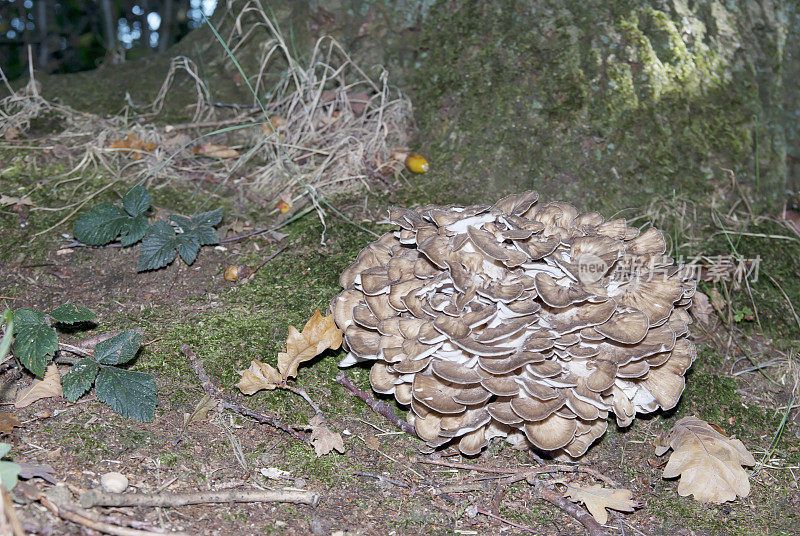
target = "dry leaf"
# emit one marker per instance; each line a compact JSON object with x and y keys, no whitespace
{"x":200,"y":413}
{"x":708,"y":463}
{"x":258,"y":376}
{"x":597,"y":499}
{"x":718,"y":302}
{"x":323,"y":439}
{"x":7,"y":422}
{"x":701,"y":307}
{"x":216,"y":151}
{"x":132,"y":143}
{"x":10,"y":200}
{"x":319,"y":334}
{"x":49,"y":387}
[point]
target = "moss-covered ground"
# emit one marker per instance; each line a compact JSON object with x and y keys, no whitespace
{"x":605,"y":104}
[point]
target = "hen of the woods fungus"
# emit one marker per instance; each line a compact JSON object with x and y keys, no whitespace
{"x":519,"y":320}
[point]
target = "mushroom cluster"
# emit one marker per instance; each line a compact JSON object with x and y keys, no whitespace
{"x":519,"y":320}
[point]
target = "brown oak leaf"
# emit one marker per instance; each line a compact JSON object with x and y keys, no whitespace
{"x":258,"y":376}
{"x":319,"y":334}
{"x":708,"y":463}
{"x":323,"y":439}
{"x":597,"y":499}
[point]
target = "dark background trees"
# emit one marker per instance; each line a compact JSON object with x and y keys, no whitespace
{"x":66,"y":36}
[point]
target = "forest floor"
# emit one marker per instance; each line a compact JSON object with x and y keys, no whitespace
{"x":381,"y":484}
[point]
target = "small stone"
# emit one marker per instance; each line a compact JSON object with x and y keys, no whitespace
{"x":300,"y":483}
{"x":320,"y":526}
{"x":114,"y":482}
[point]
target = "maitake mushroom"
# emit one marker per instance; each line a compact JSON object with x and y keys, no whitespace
{"x":518,"y":320}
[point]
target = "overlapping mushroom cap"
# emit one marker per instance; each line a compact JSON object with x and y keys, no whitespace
{"x":517,"y":320}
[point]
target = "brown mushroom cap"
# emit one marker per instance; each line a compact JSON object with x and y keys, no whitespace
{"x":518,"y":320}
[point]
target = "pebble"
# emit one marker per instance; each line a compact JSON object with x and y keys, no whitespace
{"x":114,"y":482}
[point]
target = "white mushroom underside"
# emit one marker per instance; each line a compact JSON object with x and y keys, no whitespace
{"x":517,"y":321}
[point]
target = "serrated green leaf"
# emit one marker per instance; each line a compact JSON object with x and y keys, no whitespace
{"x":188,"y":246}
{"x":79,"y":379}
{"x":120,"y":348}
{"x":206,"y":236}
{"x":72,"y":314}
{"x":32,"y":344}
{"x":136,"y":201}
{"x":184,"y":224}
{"x":158,"y":247}
{"x":9,"y":472}
{"x":8,"y":334}
{"x":99,"y":225}
{"x":131,"y":394}
{"x":208,"y":219}
{"x":27,"y":316}
{"x":133,"y":230}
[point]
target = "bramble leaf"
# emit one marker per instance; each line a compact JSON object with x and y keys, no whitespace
{"x":120,"y":348}
{"x":158,"y":247}
{"x":79,"y":379}
{"x":71,"y":314}
{"x":188,"y":245}
{"x":136,"y":201}
{"x":100,"y":225}
{"x":208,"y":219}
{"x":133,"y":230}
{"x":129,"y":393}
{"x":34,"y":340}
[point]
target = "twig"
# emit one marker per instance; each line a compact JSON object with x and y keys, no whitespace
{"x":98,"y":498}
{"x":487,"y":513}
{"x":10,"y":513}
{"x":85,"y":520}
{"x":265,"y":261}
{"x":383,"y":479}
{"x":545,"y":492}
{"x":215,"y":392}
{"x":376,"y":405}
{"x":582,"y":516}
{"x":517,"y":474}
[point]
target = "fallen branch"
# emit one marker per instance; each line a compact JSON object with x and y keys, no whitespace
{"x":98,"y":498}
{"x":376,"y":405}
{"x":226,"y":401}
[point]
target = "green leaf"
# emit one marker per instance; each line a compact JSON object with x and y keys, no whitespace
{"x":133,"y":230}
{"x":5,"y":448}
{"x":188,"y":246}
{"x":184,"y":224}
{"x":99,"y":225}
{"x":158,"y":247}
{"x":208,"y":219}
{"x":118,"y":349}
{"x":131,"y":394}
{"x":206,"y":236}
{"x":27,"y":316}
{"x":34,"y":340}
{"x":136,"y":201}
{"x":9,"y":471}
{"x":72,"y":314}
{"x":8,"y":334}
{"x":79,"y":379}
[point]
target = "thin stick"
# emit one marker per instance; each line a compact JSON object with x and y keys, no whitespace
{"x":98,"y":498}
{"x":215,"y":392}
{"x":376,"y":405}
{"x":487,"y":513}
{"x":85,"y":520}
{"x":265,"y":261}
{"x":582,"y":516}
